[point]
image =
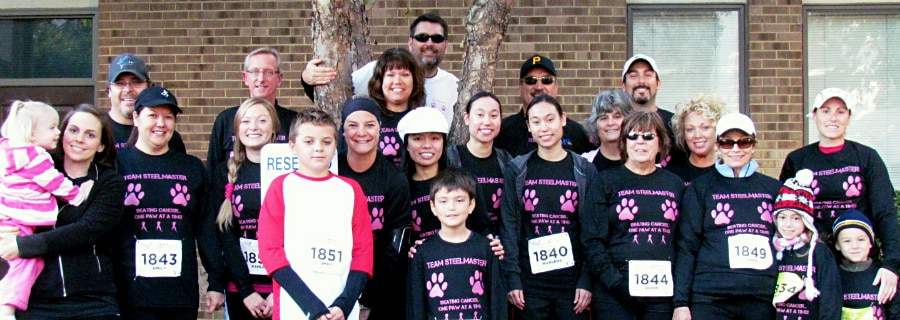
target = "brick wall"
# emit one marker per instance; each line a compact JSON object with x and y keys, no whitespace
{"x":197,"y":48}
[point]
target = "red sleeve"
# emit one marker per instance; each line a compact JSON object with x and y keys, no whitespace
{"x":362,"y":231}
{"x":271,"y":227}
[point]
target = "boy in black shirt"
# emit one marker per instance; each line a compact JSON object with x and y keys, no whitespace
{"x":455,"y":274}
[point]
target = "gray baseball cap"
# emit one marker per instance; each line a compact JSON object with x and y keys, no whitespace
{"x":129,"y":63}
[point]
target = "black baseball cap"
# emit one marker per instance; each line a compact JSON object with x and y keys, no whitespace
{"x":156,"y":96}
{"x":537,"y":61}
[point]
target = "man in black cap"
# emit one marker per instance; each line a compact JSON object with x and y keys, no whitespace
{"x":537,"y":77}
{"x":127,"y":78}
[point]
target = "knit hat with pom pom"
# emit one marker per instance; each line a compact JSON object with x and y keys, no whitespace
{"x":797,"y":196}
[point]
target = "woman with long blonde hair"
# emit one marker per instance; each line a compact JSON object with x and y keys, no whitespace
{"x":236,"y":186}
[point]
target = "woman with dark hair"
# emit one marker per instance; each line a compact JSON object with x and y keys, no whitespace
{"x":387,"y":193}
{"x":544,"y":267}
{"x":77,"y":281}
{"x":398,"y":86}
{"x":630,"y":261}
{"x":235,"y":199}
{"x":608,"y":109}
{"x":479,"y":158}
{"x":165,"y":219}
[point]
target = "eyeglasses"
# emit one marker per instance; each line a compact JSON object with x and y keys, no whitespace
{"x":132,"y":83}
{"x":436,"y":38}
{"x":257,"y":72}
{"x":647,"y":136}
{"x":546,"y":80}
{"x":743,"y":143}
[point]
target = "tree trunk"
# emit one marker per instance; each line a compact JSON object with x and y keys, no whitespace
{"x":340,"y":38}
{"x":485,"y":29}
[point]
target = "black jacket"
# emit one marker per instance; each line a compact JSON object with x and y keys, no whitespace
{"x":77,"y":251}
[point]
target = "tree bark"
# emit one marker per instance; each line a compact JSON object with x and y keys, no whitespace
{"x":340,"y":38}
{"x":485,"y":29}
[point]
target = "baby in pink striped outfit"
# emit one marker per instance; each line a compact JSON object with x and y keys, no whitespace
{"x":28,"y":186}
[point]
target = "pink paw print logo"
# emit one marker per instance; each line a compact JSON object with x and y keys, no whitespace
{"x":496,"y":198}
{"x":477,"y":286}
{"x":569,"y":201}
{"x":722,"y":214}
{"x":236,"y":206}
{"x":134,"y":195}
{"x":877,"y":313}
{"x":179,"y":194}
{"x":765,"y":211}
{"x":377,"y":218}
{"x":436,"y":286}
{"x":670,"y":210}
{"x":814,"y":186}
{"x":626,"y":209}
{"x":665,"y":162}
{"x":389,"y":146}
{"x":853,"y":186}
{"x":530,"y":200}
{"x":417,"y":221}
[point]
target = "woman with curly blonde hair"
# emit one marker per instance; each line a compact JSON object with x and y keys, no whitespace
{"x":694,"y":124}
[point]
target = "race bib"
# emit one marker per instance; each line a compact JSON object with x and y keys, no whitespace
{"x":788,"y":285}
{"x":649,"y":278}
{"x":550,"y":253}
{"x":157,"y":258}
{"x":250,"y":249}
{"x":328,"y":257}
{"x":857,"y":314}
{"x":749,"y":251}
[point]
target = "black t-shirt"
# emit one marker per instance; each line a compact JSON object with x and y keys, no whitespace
{"x":687,"y":171}
{"x":602,"y":163}
{"x":424,"y":223}
{"x":165,"y":200}
{"x":825,"y":277}
{"x":551,"y":199}
{"x":456,"y":280}
{"x":387,"y":193}
{"x":245,"y":204}
{"x":389,"y":141}
{"x":632,"y":218}
{"x":489,"y":176}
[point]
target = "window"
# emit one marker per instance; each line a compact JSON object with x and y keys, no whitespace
{"x":47,"y":58}
{"x":858,"y":49}
{"x":698,"y":48}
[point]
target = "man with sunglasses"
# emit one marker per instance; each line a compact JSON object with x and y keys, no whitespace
{"x":428,"y":43}
{"x":128,"y":76}
{"x":536,"y":77}
{"x":262,"y":76}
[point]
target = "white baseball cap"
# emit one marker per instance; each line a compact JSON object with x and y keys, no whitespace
{"x":421,"y":120}
{"x":737,"y":121}
{"x":636,"y":58}
{"x":829,"y":93}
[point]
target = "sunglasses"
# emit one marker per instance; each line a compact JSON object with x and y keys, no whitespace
{"x":743,"y":143}
{"x":546,"y":80}
{"x":647,"y":136}
{"x":436,"y":38}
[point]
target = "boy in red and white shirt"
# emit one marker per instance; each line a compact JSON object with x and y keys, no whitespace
{"x":321,"y":265}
